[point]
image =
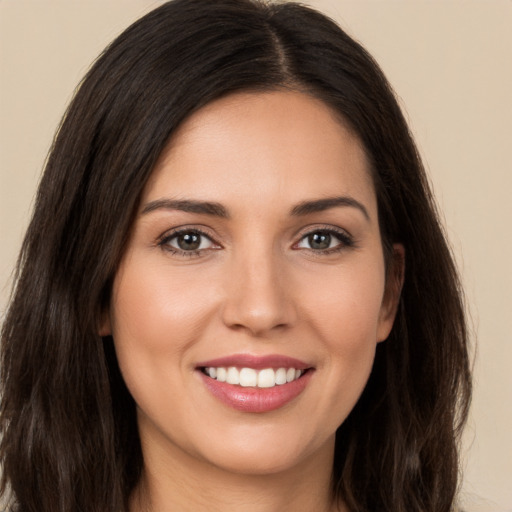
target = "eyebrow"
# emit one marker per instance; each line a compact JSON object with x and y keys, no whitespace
{"x":320,"y":205}
{"x":187,"y":205}
{"x":218,"y":210}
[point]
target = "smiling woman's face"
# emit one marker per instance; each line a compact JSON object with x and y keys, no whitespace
{"x":255,"y":257}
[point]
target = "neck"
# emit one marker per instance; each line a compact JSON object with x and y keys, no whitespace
{"x":172,"y":480}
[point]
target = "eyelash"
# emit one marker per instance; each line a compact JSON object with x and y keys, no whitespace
{"x":345,"y":239}
{"x":164,"y":241}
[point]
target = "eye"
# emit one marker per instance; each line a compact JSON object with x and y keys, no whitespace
{"x":189,"y":241}
{"x":326,"y":240}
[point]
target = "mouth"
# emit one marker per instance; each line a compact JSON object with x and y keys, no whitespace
{"x":251,"y":377}
{"x":255,"y":383}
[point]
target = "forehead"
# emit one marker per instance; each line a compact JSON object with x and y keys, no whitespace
{"x":279,"y":145}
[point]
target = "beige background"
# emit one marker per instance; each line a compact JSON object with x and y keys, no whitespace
{"x":451,"y":64}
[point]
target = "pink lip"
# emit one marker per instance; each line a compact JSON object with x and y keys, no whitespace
{"x":256,"y":399}
{"x":257,"y":362}
{"x":253,"y":399}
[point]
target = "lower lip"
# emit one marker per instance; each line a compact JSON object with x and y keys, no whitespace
{"x":252,"y":399}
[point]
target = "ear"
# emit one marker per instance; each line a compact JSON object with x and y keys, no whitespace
{"x":105,"y":328}
{"x":394,"y":282}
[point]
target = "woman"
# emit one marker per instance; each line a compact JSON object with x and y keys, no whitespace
{"x":234,"y":291}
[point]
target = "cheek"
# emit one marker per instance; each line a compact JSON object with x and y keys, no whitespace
{"x":152,"y":309}
{"x":345,"y":318}
{"x":154,"y":320}
{"x":346,"y":309}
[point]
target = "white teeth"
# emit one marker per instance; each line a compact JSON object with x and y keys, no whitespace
{"x":221,"y":374}
{"x":233,"y":376}
{"x":267,"y":378}
{"x":249,"y":377}
{"x":281,"y":376}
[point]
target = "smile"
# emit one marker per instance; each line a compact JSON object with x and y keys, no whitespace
{"x":255,"y":384}
{"x":250,"y":377}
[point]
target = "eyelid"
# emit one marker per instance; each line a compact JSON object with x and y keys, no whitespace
{"x":312,"y":228}
{"x":163,"y":240}
{"x":345,"y":238}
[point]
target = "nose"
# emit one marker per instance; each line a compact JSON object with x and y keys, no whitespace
{"x":259,"y":296}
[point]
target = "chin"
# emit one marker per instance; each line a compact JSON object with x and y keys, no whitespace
{"x":266,"y":452}
{"x":258,"y":462}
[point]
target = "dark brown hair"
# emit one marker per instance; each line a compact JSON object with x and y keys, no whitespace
{"x":69,"y":438}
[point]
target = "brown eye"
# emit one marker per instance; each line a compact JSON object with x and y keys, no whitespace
{"x":319,"y":240}
{"x":325,"y":240}
{"x":187,"y":241}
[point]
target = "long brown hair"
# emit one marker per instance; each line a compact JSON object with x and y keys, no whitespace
{"x":69,"y":438}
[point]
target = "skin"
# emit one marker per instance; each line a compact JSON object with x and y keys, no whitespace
{"x":255,"y":286}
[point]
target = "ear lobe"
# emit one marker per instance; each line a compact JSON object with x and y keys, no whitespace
{"x":392,"y":292}
{"x":105,"y":328}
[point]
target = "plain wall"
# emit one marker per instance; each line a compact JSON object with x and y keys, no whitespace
{"x":451,"y":65}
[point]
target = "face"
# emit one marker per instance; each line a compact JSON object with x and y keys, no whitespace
{"x":251,"y":297}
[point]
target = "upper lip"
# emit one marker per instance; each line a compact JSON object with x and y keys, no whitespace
{"x":255,"y":361}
